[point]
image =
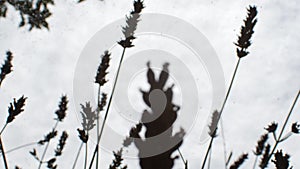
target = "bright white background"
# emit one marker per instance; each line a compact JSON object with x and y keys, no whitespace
{"x":266,"y":84}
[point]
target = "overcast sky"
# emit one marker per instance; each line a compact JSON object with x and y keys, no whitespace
{"x":45,"y":62}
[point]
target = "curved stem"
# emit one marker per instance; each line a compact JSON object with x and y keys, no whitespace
{"x":77,"y":156}
{"x":107,"y":109}
{"x":47,"y":146}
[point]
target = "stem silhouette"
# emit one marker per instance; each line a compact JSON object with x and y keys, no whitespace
{"x":47,"y":146}
{"x":77,"y":156}
{"x":278,"y":140}
{"x":98,"y":125}
{"x":107,"y":110}
{"x":3,"y":153}
{"x":20,"y":147}
{"x":86,"y":155}
{"x":222,"y":108}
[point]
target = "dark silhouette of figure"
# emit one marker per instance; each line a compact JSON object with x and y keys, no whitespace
{"x":158,"y":123}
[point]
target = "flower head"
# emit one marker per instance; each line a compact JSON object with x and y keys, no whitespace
{"x":61,"y":144}
{"x":117,"y":162}
{"x":15,"y":108}
{"x":102,"y":69}
{"x":131,"y":24}
{"x":62,"y":108}
{"x":296,"y":128}
{"x":272,"y":127}
{"x":138,"y":6}
{"x":6,"y":67}
{"x":214,"y":124}
{"x":88,"y":117}
{"x":84,"y":137}
{"x":281,"y":161}
{"x":239,"y":161}
{"x":261,"y":144}
{"x":265,"y":157}
{"x":48,"y":137}
{"x":246,"y":32}
{"x":103,"y":102}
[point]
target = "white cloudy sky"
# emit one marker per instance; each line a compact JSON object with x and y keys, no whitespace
{"x":267,"y":81}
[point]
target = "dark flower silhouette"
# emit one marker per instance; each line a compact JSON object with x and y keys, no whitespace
{"x":102,"y":69}
{"x":15,"y":108}
{"x":34,"y":154}
{"x":83,"y":136}
{"x":272,"y":127}
{"x":134,"y":132}
{"x":261,"y":144}
{"x":48,"y":137}
{"x":34,"y":13}
{"x":296,"y":128}
{"x":61,"y":112}
{"x":214,"y":124}
{"x":103,"y":102}
{"x":281,"y":161}
{"x":51,"y":163}
{"x":7,"y":66}
{"x":156,"y":122}
{"x":117,"y":162}
{"x":61,"y":144}
{"x":131,"y":24}
{"x":138,"y":6}
{"x":264,"y":160}
{"x":246,"y":32}
{"x":239,"y":162}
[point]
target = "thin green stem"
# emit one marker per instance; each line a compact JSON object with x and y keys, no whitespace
{"x":77,"y":156}
{"x":283,"y":127}
{"x":107,"y":109}
{"x":222,"y":108}
{"x":3,"y":153}
{"x":47,"y":146}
